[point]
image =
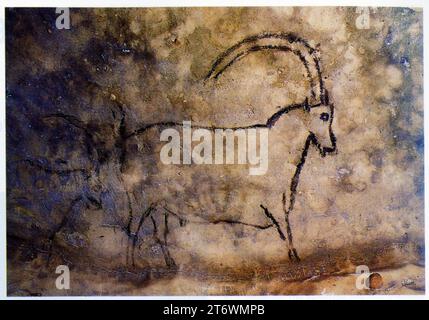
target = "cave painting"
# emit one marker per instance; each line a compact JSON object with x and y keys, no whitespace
{"x":270,"y":205}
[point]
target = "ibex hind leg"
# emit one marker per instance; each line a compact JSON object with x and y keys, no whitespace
{"x":161,"y":238}
{"x":134,"y":235}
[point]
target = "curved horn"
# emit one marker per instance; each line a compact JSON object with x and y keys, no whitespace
{"x":275,"y":41}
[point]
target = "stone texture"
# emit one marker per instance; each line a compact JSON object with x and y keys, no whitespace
{"x":75,"y":182}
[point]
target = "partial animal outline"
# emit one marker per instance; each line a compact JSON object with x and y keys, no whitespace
{"x":318,"y":97}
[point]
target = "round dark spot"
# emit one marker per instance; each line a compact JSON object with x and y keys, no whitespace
{"x":375,"y":281}
{"x":324,"y":116}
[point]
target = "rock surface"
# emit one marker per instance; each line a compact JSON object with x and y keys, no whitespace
{"x":73,"y":97}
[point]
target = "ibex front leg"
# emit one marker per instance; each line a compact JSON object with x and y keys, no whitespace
{"x":292,"y":253}
{"x":293,"y":256}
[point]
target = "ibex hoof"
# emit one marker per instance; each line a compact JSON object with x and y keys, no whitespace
{"x":293,"y":255}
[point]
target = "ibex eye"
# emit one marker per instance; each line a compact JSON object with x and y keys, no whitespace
{"x":324,"y":116}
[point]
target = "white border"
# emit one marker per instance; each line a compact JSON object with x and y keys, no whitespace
{"x":199,"y":3}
